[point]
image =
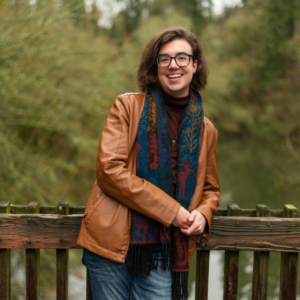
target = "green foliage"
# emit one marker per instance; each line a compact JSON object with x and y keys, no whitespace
{"x":58,"y":79}
{"x":278,"y":28}
{"x":241,"y":97}
{"x":56,"y":84}
{"x":154,"y":24}
{"x":199,"y":13}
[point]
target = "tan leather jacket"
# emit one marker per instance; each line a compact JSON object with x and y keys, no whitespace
{"x":105,"y":228}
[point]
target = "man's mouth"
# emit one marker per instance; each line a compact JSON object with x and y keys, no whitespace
{"x":174,"y":76}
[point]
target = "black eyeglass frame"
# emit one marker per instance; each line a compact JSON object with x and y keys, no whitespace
{"x":171,"y":57}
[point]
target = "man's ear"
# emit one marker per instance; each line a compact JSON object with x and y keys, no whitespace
{"x":195,"y":64}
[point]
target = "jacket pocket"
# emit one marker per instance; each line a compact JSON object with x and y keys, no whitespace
{"x":108,"y":227}
{"x":98,"y":194}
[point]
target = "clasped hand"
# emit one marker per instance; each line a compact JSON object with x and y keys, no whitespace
{"x":189,"y":223}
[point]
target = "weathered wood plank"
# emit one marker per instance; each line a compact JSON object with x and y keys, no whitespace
{"x":39,"y":231}
{"x":231,"y":263}
{"x":260,"y":264}
{"x":5,"y":261}
{"x":76,"y":210}
{"x":289,"y":264}
{"x":252,"y":234}
{"x":275,"y":213}
{"x":202,"y":274}
{"x":23,"y":209}
{"x":19,"y":209}
{"x":48,"y":209}
{"x":32,"y":208}
{"x":227,"y":233}
{"x":33,"y":264}
{"x":62,"y":262}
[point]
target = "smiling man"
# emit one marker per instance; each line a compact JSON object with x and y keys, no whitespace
{"x":175,"y":71}
{"x":157,"y":183}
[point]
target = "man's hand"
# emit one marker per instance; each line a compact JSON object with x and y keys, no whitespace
{"x":183,"y":219}
{"x":198,"y":224}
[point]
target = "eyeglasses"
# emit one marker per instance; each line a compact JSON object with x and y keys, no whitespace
{"x":182,"y":60}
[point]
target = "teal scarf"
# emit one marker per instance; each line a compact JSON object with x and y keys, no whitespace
{"x":154,"y":164}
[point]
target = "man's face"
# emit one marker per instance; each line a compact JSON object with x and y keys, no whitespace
{"x":173,"y":79}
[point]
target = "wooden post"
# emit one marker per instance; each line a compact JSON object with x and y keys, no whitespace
{"x":231,"y":263}
{"x":260,"y":264}
{"x":5,"y":259}
{"x":289,"y":264}
{"x":202,"y":272}
{"x":33,"y":263}
{"x":89,"y":293}
{"x":62,"y":261}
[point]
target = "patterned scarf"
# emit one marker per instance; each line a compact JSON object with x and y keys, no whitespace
{"x":154,"y":164}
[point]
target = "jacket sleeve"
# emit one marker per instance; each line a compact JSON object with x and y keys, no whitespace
{"x":117,"y":180}
{"x":211,"y":190}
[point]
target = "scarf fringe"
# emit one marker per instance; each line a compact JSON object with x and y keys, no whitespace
{"x":180,"y":285}
{"x":142,"y":258}
{"x":166,"y":256}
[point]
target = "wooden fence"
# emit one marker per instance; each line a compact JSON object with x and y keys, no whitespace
{"x":261,"y":230}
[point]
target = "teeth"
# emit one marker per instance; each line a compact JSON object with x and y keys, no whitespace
{"x":174,"y":76}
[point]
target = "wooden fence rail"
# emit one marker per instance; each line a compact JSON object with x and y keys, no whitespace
{"x":262,"y":230}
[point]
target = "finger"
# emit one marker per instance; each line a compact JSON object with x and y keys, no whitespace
{"x":199,"y":231}
{"x":191,"y":218}
{"x":194,"y":232}
{"x":197,"y":215}
{"x":189,"y":223}
{"x":191,"y":229}
{"x":183,"y":231}
{"x":184,"y":226}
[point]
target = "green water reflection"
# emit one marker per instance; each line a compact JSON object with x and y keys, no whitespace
{"x":251,"y":172}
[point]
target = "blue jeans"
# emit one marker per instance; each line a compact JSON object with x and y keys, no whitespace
{"x":110,"y":280}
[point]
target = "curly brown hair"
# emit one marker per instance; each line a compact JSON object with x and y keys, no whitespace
{"x":147,"y":69}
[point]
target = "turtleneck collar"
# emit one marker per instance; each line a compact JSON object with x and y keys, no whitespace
{"x":175,"y":102}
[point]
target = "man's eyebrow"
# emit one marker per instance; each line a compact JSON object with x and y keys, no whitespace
{"x":176,"y":53}
{"x":182,"y":53}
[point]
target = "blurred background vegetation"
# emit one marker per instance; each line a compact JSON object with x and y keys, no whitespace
{"x":61,"y":71}
{"x":61,"y":67}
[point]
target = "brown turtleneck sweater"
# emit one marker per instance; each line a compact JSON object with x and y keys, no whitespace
{"x":175,"y":107}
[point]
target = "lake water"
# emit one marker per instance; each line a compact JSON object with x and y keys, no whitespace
{"x":251,"y":172}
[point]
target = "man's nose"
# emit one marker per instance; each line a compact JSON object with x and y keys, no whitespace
{"x":173,"y":63}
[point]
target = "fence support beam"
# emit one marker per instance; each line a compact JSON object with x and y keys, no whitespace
{"x":260,"y":264}
{"x":260,"y":276}
{"x":289,"y":264}
{"x":89,"y":294}
{"x":202,"y":272}
{"x":33,"y":262}
{"x":62,"y":261}
{"x":5,"y":259}
{"x":231,"y":263}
